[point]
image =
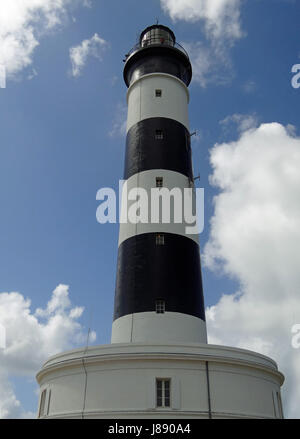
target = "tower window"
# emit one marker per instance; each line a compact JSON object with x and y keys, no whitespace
{"x":160,"y":240}
{"x":49,"y":399}
{"x":159,"y":135}
{"x":160,"y":306}
{"x":159,"y":182}
{"x":163,"y":390}
{"x":158,"y":93}
{"x":43,"y":403}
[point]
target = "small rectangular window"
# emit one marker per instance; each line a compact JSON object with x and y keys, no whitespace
{"x":159,"y":181}
{"x":49,"y":399}
{"x":163,"y":392}
{"x":278,"y":411}
{"x":158,"y":93}
{"x":160,"y":306}
{"x":42,"y":403}
{"x":159,"y":135}
{"x":280,"y":405}
{"x":160,"y":240}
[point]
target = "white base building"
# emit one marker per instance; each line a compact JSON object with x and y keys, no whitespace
{"x":121,"y":381}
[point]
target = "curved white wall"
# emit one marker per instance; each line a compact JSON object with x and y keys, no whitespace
{"x":170,"y":327}
{"x":143,"y":104}
{"x":120,"y":382}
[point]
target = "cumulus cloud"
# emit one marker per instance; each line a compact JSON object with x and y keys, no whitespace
{"x":31,"y":337}
{"x":10,"y":407}
{"x":221,"y":17}
{"x":21,"y":25}
{"x":94,"y":47}
{"x":255,"y":239}
{"x":222,"y":27}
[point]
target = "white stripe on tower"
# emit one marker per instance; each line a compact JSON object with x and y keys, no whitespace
{"x":159,"y":295}
{"x":147,"y":180}
{"x":144,"y":104}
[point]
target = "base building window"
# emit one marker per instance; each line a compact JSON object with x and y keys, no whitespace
{"x":163,"y":393}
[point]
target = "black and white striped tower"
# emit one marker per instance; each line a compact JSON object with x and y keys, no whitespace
{"x":159,"y":295}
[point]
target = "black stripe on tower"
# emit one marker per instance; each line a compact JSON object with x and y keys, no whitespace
{"x":158,"y":59}
{"x":144,"y":152}
{"x":148,"y":272}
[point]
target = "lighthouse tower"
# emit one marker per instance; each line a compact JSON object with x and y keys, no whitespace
{"x":159,"y":287}
{"x":159,"y":364}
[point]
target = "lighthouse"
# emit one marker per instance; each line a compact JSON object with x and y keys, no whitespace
{"x":159,"y":295}
{"x":159,"y":363}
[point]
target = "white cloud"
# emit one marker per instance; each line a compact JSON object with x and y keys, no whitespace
{"x":120,"y":121}
{"x":32,"y":75}
{"x":206,"y":59}
{"x":222,"y":27}
{"x":10,"y":407}
{"x":31,"y":337}
{"x":255,"y":239}
{"x":244,"y":122}
{"x":221,"y":17}
{"x":88,"y":3}
{"x":21,"y":25}
{"x":94,"y":47}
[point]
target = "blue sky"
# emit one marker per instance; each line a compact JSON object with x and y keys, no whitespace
{"x":62,"y":140}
